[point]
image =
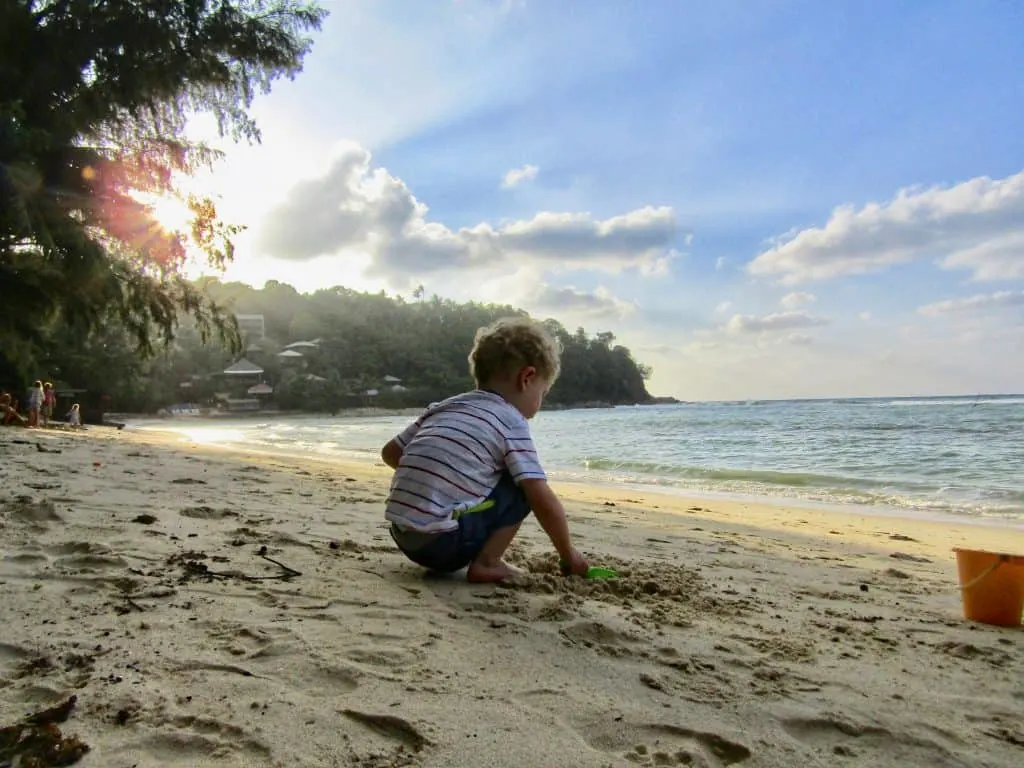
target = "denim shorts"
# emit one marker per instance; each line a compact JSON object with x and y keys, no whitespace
{"x":449,"y":551}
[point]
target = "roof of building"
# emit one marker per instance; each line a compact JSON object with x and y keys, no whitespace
{"x":243,"y":366}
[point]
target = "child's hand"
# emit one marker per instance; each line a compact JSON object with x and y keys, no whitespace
{"x":575,"y":565}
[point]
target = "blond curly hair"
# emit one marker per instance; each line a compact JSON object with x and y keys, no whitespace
{"x":511,"y":343}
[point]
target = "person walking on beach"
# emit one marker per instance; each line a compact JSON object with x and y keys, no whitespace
{"x":466,"y":471}
{"x":49,"y":401}
{"x":35,"y":403}
{"x":75,"y":416}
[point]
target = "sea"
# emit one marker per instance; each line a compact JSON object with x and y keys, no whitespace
{"x":927,"y":456}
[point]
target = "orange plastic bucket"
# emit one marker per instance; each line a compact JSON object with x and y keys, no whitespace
{"x":992,"y":586}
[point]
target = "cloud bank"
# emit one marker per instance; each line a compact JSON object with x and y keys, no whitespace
{"x":598,"y":305}
{"x":355,"y":209}
{"x":780,"y":321}
{"x":982,"y":301}
{"x":977,"y":225}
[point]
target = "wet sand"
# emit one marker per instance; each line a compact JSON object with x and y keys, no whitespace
{"x":211,"y":608}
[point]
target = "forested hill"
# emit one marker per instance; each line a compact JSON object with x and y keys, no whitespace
{"x":424,"y":342}
{"x":403,"y":352}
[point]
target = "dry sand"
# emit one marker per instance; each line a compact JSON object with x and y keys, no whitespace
{"x":741,"y":634}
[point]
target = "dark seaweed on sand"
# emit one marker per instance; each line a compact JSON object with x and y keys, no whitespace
{"x":37,"y":742}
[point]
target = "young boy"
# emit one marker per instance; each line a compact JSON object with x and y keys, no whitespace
{"x":466,"y":471}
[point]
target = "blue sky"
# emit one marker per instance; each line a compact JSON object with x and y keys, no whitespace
{"x":683,"y":168}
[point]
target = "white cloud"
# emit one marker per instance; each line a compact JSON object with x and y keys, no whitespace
{"x":1001,"y":258}
{"x":980,"y":301}
{"x":780,"y":321}
{"x":865,"y":316}
{"x":353,"y":208}
{"x":975,"y":225}
{"x":516,"y":176}
{"x":720,"y":263}
{"x":725,"y":306}
{"x":559,"y":302}
{"x":796,"y":299}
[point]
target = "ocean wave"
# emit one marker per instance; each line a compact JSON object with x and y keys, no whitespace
{"x":956,"y":401}
{"x":907,"y":494}
{"x":766,"y":476}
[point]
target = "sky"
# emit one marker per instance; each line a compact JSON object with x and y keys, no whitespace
{"x":762,"y":199}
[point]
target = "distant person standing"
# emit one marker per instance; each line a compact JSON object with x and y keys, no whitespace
{"x":35,"y":403}
{"x":75,"y":416}
{"x":49,"y":401}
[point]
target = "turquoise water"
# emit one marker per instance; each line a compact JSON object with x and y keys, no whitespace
{"x":951,"y":456}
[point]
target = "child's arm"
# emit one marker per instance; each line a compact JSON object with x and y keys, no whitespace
{"x":551,"y":515}
{"x":391,"y":453}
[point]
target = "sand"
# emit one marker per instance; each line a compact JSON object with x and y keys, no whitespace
{"x":137,"y":574}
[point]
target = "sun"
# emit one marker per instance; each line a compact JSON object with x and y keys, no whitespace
{"x":170,"y":213}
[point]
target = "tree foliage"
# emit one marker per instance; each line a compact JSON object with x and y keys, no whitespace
{"x":362,"y":339}
{"x":94,"y":100}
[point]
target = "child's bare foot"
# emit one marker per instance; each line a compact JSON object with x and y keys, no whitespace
{"x":487,"y":573}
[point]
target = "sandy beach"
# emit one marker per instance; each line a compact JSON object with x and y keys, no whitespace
{"x":213,"y":608}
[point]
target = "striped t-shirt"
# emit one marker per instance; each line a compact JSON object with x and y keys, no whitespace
{"x":453,"y":456}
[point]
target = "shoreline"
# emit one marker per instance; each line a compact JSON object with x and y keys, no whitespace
{"x":917,"y":536}
{"x":207,"y":605}
{"x":664,"y":491}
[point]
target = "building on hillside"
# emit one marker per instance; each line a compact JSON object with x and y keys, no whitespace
{"x":242,"y":375}
{"x":252,"y":327}
{"x":291,"y":357}
{"x":261,"y":392}
{"x":314,"y":344}
{"x":243,"y":367}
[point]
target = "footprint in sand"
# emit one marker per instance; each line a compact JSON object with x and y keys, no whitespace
{"x":637,"y":741}
{"x":391,"y":727}
{"x":836,"y":735}
{"x":207,"y":513}
{"x":599,"y":636}
{"x":77,"y":548}
{"x":239,"y":640}
{"x":24,"y":509}
{"x":385,"y":657}
{"x":25,"y":558}
{"x":666,"y":744}
{"x":40,"y":695}
{"x":186,"y":747}
{"x":12,"y":657}
{"x":279,"y":653}
{"x":992,"y":656}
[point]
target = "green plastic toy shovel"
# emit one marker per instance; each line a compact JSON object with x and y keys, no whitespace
{"x":594,"y":572}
